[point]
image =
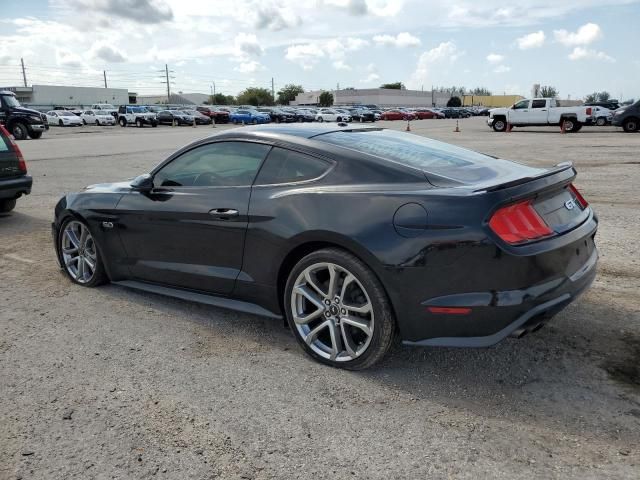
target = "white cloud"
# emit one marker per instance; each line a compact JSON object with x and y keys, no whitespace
{"x":107,"y":53}
{"x":532,"y":40}
{"x":372,"y":77}
{"x":502,"y":69}
{"x":305,"y":55}
{"x":68,"y":58}
{"x":403,"y":39}
{"x":275,"y":18}
{"x":341,"y":65}
{"x":581,"y":53}
{"x":585,"y":35}
{"x":495,"y":58}
{"x":247,"y":45}
{"x":249,"y":67}
{"x":378,"y":8}
{"x":445,"y":53}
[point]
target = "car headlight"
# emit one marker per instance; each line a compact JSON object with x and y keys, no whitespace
{"x":619,"y":111}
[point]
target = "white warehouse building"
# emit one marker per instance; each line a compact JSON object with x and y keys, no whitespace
{"x":383,"y":97}
{"x":57,"y":95}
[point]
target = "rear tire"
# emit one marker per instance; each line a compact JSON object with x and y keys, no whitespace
{"x":629,"y":125}
{"x":320,"y":119}
{"x":360,"y":338}
{"x":138,"y":123}
{"x":98,"y":123}
{"x":601,"y":121}
{"x":7,"y":205}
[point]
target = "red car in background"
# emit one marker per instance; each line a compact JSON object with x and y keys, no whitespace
{"x":218,"y":116}
{"x":427,"y":114}
{"x":397,"y":115}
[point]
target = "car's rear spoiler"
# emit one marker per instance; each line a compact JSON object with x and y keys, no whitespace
{"x":561,"y":167}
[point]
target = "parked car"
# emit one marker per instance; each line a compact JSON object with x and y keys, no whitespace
{"x":540,"y":112}
{"x":136,"y":115}
{"x":300,"y":115}
{"x":170,"y":117}
{"x":327,"y":226}
{"x":362,"y":115}
{"x":425,"y":113}
{"x":20,"y":121}
{"x":200,"y":118}
{"x":602,"y":116}
{"x":609,"y":105}
{"x":331,"y":115}
{"x":63,"y":118}
{"x":249,"y":116}
{"x":218,"y":115}
{"x":451,"y":113}
{"x":14,"y":181}
{"x":107,"y":108}
{"x":278,"y":115}
{"x":97,"y":117}
{"x":628,"y":117}
{"x":397,"y":115}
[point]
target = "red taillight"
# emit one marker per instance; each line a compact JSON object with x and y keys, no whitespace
{"x":450,"y":310}
{"x":579,"y":198}
{"x":519,"y":223}
{"x":22,"y":165}
{"x":589,"y":111}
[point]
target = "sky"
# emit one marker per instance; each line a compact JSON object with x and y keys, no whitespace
{"x":577,"y":46}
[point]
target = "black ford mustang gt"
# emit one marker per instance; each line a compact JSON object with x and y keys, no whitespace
{"x":355,"y":234}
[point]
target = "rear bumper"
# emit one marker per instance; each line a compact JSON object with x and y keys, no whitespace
{"x":15,"y":187}
{"x":532,"y":306}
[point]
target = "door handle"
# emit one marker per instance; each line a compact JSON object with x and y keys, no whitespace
{"x":223,"y":213}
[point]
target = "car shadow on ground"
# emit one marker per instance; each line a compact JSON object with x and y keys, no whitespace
{"x":563,"y":376}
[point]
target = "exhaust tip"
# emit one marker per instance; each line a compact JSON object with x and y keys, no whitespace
{"x":519,"y":333}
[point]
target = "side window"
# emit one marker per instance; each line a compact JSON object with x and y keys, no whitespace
{"x":284,"y":166}
{"x":221,"y":164}
{"x":538,"y":103}
{"x":522,"y":104}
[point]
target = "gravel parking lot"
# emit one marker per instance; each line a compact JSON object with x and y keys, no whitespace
{"x":112,"y":383}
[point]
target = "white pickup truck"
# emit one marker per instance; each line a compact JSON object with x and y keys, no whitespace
{"x":540,"y":112}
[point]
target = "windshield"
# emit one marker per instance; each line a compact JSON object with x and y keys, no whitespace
{"x":64,"y":113}
{"x":427,"y":155}
{"x":107,"y":106}
{"x":139,"y":110}
{"x":11,"y":101}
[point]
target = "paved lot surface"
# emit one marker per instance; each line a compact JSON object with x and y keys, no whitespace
{"x":111,"y":383}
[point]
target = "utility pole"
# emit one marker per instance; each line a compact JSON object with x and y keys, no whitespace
{"x":433,"y":104}
{"x":104,"y":74}
{"x":167,"y":80}
{"x":24,"y":74}
{"x":214,"y":89}
{"x":273,"y":91}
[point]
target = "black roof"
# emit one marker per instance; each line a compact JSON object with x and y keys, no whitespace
{"x":303,"y":130}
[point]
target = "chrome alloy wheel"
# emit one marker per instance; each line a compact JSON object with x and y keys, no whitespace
{"x":78,"y":252}
{"x":332,"y":312}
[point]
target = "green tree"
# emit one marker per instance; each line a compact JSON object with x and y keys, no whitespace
{"x":480,"y":91}
{"x":604,"y":96}
{"x":222,"y":99}
{"x":592,"y":97}
{"x":393,"y":86}
{"x":454,"y":102}
{"x":547,"y":91}
{"x":326,"y":99}
{"x":255,"y":96}
{"x":289,"y":93}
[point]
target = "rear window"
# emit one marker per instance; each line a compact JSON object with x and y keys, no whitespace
{"x":4,"y":144}
{"x":428,"y":155}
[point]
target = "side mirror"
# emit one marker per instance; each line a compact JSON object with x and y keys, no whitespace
{"x":142,"y":183}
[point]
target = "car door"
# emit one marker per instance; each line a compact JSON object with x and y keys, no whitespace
{"x":538,"y":112}
{"x":189,"y":230}
{"x":519,"y":113}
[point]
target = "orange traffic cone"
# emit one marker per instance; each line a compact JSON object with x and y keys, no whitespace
{"x":408,"y":129}
{"x":509,"y":127}
{"x":457,"y":127}
{"x":194,"y":122}
{"x":563,"y":128}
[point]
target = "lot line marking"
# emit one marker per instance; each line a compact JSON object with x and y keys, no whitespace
{"x":18,"y":258}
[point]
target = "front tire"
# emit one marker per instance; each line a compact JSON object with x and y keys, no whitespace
{"x":138,"y":123}
{"x":629,"y":125}
{"x":35,"y":135}
{"x":7,"y":205}
{"x":499,"y":125}
{"x":338,"y":310}
{"x":122,"y":121}
{"x":601,"y":121}
{"x":79,"y":254}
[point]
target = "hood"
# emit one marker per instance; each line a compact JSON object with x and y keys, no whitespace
{"x":26,"y":111}
{"x":117,"y":187}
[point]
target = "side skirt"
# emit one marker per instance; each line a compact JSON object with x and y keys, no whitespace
{"x":196,"y":297}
